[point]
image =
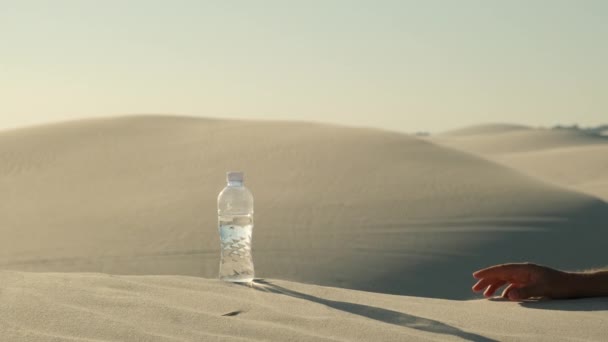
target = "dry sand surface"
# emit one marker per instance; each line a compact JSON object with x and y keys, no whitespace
{"x":353,"y":208}
{"x":101,"y":307}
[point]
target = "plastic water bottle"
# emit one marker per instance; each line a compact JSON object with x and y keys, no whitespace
{"x":235,"y":218}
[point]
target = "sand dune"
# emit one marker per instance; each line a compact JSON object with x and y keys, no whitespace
{"x":98,"y":307}
{"x":572,"y":158}
{"x":348,"y":207}
{"x":134,"y":199}
{"x":501,"y":140}
{"x":486,"y":129}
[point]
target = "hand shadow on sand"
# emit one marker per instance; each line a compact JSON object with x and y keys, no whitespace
{"x":589,"y":304}
{"x":372,"y":312}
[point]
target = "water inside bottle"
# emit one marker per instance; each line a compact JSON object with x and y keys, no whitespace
{"x":235,"y":239}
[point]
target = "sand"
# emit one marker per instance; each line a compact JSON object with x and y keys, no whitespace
{"x":572,"y":158}
{"x":101,"y":307}
{"x":132,"y":199}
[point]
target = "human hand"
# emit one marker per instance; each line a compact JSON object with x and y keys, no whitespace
{"x":523,"y":281}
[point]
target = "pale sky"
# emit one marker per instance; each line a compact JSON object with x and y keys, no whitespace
{"x":401,"y":65}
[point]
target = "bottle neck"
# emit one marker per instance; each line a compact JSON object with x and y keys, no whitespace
{"x":235,"y":184}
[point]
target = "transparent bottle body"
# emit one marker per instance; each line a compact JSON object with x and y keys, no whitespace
{"x":235,"y":225}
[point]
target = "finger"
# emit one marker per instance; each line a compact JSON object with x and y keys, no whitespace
{"x":521,"y":293}
{"x":483,"y":283}
{"x":508,"y":272}
{"x":489,"y":292}
{"x":507,"y":290}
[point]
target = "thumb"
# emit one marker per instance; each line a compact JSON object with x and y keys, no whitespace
{"x":525,"y":292}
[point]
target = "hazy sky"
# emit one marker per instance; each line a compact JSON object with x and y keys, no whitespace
{"x":405,"y":65}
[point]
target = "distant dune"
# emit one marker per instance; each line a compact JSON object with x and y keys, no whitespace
{"x":569,"y":157}
{"x":494,"y":141}
{"x":349,"y":207}
{"x":485,"y":129}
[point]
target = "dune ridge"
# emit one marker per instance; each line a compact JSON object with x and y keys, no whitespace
{"x":485,"y":129}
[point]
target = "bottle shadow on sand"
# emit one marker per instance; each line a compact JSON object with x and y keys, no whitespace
{"x":372,"y":312}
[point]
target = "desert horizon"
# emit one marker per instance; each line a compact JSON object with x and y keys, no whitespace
{"x":477,"y":128}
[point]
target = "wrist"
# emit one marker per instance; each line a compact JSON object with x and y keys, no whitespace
{"x":576,"y":284}
{"x":586,"y":284}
